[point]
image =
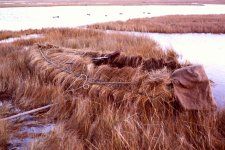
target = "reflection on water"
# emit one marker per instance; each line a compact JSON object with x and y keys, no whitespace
{"x":73,"y":16}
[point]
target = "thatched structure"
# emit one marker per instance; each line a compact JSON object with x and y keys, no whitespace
{"x":106,"y":100}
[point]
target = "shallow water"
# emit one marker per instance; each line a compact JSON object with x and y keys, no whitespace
{"x":25,"y":141}
{"x":74,"y":16}
{"x":24,"y":37}
{"x":27,"y":128}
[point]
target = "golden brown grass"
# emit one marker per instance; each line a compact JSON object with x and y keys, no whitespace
{"x":11,"y":34}
{"x":169,"y":24}
{"x":142,"y":114}
{"x":101,"y":42}
{"x":4,"y":135}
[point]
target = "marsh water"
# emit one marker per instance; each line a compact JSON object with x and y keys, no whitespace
{"x":73,"y":16}
{"x":205,"y":49}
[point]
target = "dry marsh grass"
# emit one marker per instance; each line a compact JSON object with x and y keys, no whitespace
{"x":91,"y":114}
{"x":11,"y":34}
{"x":4,"y":135}
{"x":101,"y":42}
{"x":169,"y":24}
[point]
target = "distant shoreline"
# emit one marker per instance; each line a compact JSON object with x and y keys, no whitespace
{"x":169,"y":24}
{"x":49,"y":3}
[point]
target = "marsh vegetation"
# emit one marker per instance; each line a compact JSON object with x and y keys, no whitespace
{"x":117,"y":104}
{"x":169,"y":24}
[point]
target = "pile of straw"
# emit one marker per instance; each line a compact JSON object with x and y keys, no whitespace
{"x":78,"y":73}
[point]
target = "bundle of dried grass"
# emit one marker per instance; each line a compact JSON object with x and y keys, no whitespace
{"x":141,"y":82}
{"x":153,"y":64}
{"x":60,"y":138}
{"x":95,"y":91}
{"x":120,"y":61}
{"x":107,"y":73}
{"x":59,"y":68}
{"x":154,"y":83}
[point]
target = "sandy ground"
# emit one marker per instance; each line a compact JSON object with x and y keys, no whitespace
{"x":18,"y":3}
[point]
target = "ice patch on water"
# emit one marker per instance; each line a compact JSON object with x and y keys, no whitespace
{"x":46,"y":128}
{"x":29,"y":127}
